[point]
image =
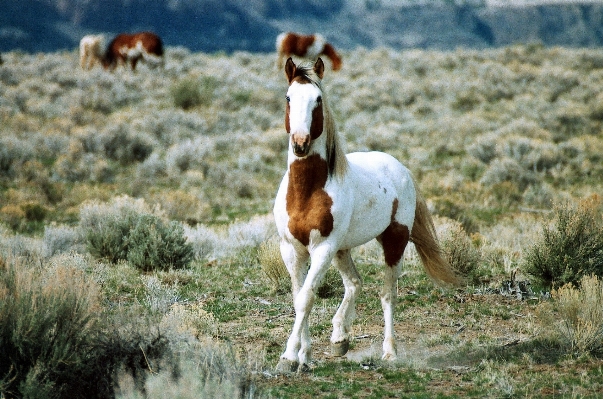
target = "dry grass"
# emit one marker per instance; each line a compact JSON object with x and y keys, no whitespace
{"x":578,"y":316}
{"x":271,"y":262}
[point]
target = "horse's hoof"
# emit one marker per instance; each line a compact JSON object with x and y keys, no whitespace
{"x":287,"y":366}
{"x":303,"y":368}
{"x":340,"y":348}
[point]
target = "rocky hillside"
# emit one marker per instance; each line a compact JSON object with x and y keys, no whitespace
{"x":251,"y":25}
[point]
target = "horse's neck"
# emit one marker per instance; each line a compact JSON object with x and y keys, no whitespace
{"x":307,"y":175}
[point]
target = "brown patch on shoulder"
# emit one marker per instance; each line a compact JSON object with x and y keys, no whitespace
{"x":394,"y":239}
{"x":308,"y":204}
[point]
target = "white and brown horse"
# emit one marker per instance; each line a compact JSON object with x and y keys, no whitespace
{"x":329,"y":203}
{"x":132,"y":48}
{"x":306,"y":46}
{"x":91,"y":50}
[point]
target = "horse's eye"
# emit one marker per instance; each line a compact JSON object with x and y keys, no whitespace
{"x":288,"y":98}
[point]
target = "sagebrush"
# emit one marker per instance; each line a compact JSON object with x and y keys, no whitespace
{"x":571,"y":247}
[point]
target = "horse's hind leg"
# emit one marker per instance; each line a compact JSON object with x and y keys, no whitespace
{"x":393,"y":240}
{"x":342,"y":321}
{"x":388,"y":299}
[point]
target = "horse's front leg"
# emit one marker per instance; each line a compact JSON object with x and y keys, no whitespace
{"x":342,"y":321}
{"x":298,"y":351}
{"x":295,"y":259}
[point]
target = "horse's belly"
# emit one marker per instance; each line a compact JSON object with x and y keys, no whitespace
{"x":372,"y":214}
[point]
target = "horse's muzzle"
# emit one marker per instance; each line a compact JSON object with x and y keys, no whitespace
{"x":300,"y":144}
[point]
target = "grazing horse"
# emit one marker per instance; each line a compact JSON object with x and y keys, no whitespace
{"x":307,"y":46}
{"x":91,"y":50}
{"x":125,"y":47}
{"x":329,"y":203}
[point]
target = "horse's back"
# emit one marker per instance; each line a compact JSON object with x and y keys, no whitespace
{"x":381,"y":188}
{"x":382,"y":172}
{"x":379,"y":165}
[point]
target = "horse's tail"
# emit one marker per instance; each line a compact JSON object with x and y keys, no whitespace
{"x":423,"y":236}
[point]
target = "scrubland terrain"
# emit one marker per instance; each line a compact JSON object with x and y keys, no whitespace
{"x":137,"y":244}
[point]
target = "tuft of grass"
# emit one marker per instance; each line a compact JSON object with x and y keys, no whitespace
{"x":271,"y":262}
{"x":576,"y":316}
{"x":464,"y":257}
{"x":571,"y":247}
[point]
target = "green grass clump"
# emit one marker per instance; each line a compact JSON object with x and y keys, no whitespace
{"x":187,"y":94}
{"x":571,"y":248}
{"x":190,"y":93}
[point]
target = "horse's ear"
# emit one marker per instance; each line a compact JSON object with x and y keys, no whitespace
{"x":290,"y":69}
{"x":319,"y":68}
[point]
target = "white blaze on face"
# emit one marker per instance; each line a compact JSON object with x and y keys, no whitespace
{"x":303,"y":99}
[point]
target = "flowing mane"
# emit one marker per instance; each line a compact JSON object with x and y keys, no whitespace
{"x":336,"y":159}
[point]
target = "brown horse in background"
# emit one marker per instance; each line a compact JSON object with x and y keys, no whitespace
{"x":306,"y":46}
{"x":145,"y":46}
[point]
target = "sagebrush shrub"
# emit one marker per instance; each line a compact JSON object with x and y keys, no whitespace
{"x":154,"y":245}
{"x":507,"y":170}
{"x":121,"y":144}
{"x":61,"y":239}
{"x":105,"y":235}
{"x":13,"y":153}
{"x":571,"y":247}
{"x":47,"y":324}
{"x":187,"y":93}
{"x":55,"y":342}
{"x":127,"y":229}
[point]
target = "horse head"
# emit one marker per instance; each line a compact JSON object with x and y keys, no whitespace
{"x":304,"y":116}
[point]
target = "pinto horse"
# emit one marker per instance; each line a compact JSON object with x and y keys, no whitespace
{"x":307,"y":46}
{"x":145,"y":46}
{"x":91,"y":50}
{"x":329,"y":203}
